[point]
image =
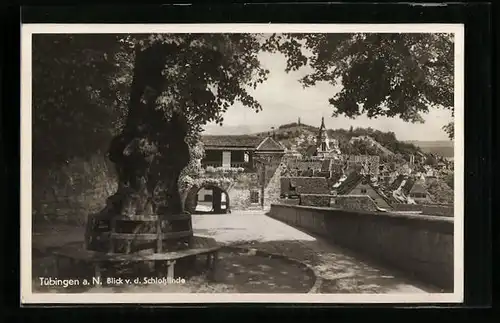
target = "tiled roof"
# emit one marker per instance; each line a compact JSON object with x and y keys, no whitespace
{"x":269,"y":144}
{"x":231,"y":141}
{"x":334,"y":178}
{"x":418,"y":187}
{"x":397,"y":182}
{"x":304,"y":185}
{"x":349,"y":183}
{"x":311,"y":150}
{"x":408,"y":185}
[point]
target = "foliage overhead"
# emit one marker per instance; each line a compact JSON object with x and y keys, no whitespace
{"x":81,"y":84}
{"x":80,"y":87}
{"x":392,"y":75}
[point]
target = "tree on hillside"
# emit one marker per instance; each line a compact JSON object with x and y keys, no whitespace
{"x":449,"y":179}
{"x":440,"y":192}
{"x":361,"y":147}
{"x":392,"y":75}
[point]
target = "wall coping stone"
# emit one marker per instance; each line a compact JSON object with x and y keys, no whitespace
{"x":436,"y":223}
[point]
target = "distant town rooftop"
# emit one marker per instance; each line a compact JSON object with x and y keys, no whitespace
{"x":242,"y":141}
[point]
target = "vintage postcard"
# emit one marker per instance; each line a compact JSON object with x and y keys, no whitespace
{"x":229,"y":163}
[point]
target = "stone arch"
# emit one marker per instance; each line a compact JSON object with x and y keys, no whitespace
{"x":191,"y":199}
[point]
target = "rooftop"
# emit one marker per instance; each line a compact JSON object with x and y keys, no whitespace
{"x":231,"y":141}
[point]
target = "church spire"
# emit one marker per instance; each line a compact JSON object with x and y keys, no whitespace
{"x":322,"y":123}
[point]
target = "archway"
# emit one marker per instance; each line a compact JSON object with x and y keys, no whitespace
{"x":207,"y":199}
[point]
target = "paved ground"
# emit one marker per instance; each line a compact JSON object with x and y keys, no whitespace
{"x":341,"y":271}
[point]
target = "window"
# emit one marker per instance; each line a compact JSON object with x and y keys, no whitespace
{"x":323,"y":146}
{"x":254,"y":197}
{"x":237,"y":156}
{"x":363,"y":191}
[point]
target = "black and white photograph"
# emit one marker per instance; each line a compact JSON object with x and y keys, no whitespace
{"x":203,"y":163}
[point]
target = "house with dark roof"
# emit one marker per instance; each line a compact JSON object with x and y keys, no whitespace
{"x":295,"y":186}
{"x":397,"y":182}
{"x":240,"y":172}
{"x":358,"y":184}
{"x":229,"y":151}
{"x":417,"y":191}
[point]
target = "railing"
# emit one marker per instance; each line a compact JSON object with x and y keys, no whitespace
{"x":212,"y":163}
{"x":216,"y":164}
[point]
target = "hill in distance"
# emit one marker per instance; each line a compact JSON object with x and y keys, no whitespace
{"x":288,"y":135}
{"x":439,"y":147}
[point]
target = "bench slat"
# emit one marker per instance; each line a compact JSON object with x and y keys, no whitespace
{"x":150,"y":236}
{"x":153,"y":218}
{"x":88,"y":255}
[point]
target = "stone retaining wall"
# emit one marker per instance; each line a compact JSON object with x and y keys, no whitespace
{"x":71,"y":192}
{"x":419,"y":245}
{"x":438,"y":210}
{"x":407,"y":207}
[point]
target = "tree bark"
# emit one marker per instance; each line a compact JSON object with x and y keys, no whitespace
{"x":150,"y":152}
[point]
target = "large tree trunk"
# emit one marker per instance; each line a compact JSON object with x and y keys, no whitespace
{"x":151,"y":151}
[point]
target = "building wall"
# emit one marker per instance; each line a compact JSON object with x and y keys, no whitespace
{"x":239,"y":192}
{"x":235,"y":158}
{"x":358,"y":190}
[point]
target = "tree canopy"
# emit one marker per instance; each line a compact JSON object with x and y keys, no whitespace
{"x":81,"y":82}
{"x":393,"y":75}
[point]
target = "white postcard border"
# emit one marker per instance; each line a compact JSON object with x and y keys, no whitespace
{"x":27,"y":295}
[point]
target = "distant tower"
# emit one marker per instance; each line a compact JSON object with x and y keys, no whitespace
{"x":323,"y":142}
{"x":298,"y":122}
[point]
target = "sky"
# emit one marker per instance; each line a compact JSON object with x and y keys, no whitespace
{"x":284,"y":100}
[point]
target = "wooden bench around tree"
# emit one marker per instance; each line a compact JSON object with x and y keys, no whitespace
{"x":105,"y":230}
{"x":78,"y":255}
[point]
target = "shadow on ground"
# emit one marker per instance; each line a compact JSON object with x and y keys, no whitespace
{"x":237,"y":272}
{"x":341,"y":270}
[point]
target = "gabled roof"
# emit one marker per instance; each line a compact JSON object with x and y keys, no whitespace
{"x":349,"y":183}
{"x":418,"y":187}
{"x":270,"y":144}
{"x":408,"y":185}
{"x":354,"y":179}
{"x":397,"y":182}
{"x":246,"y":141}
{"x":304,"y":185}
{"x":334,"y":179}
{"x":311,"y":150}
